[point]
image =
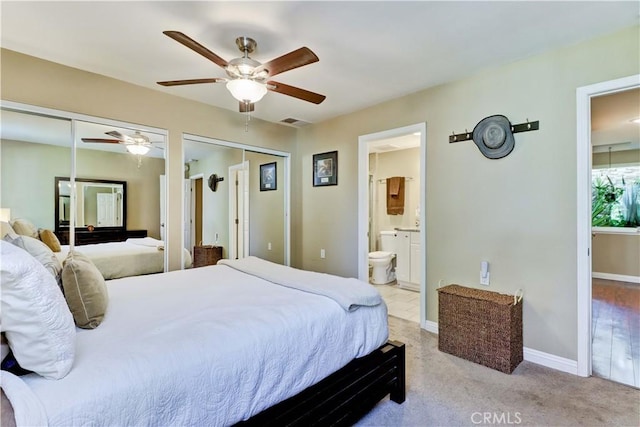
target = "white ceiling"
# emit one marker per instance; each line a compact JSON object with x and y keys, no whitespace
{"x":369,"y":52}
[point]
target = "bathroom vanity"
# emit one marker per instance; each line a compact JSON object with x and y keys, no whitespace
{"x":408,"y":259}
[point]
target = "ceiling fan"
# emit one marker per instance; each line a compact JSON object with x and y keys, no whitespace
{"x":136,"y":144}
{"x":249,"y":80}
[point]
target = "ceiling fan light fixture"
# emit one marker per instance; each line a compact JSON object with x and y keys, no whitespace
{"x":247,"y":90}
{"x":137,"y":149}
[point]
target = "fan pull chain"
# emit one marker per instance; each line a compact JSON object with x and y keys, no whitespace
{"x":247,"y":117}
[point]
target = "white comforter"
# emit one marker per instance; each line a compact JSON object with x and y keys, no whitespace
{"x":206,"y":346}
{"x":133,"y":257}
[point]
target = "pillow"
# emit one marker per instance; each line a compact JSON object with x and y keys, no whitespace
{"x":49,"y":239}
{"x":39,"y":251}
{"x":6,"y":229}
{"x":35,"y":317}
{"x":85,"y":290}
{"x":24,"y":227}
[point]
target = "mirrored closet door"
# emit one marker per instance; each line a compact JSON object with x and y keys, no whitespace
{"x":236,"y":201}
{"x":91,"y":181}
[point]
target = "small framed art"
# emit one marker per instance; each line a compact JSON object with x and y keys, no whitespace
{"x":268,"y":177}
{"x":325,"y":169}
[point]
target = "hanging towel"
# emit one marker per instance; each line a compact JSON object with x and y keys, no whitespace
{"x":395,"y":195}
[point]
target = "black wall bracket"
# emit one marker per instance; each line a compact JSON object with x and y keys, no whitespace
{"x":522,"y":127}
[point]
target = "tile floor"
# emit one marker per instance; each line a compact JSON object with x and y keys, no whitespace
{"x":401,"y":303}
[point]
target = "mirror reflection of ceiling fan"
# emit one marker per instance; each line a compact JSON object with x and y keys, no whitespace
{"x":249,"y":80}
{"x":136,"y":144}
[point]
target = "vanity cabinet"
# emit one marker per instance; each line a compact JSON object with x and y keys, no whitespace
{"x":408,"y":259}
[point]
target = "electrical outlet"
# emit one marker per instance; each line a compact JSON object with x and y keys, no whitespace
{"x":269,"y":246}
{"x":322,"y":253}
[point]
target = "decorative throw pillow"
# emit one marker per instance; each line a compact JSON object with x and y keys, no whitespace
{"x":35,"y":317}
{"x":39,"y":251}
{"x":24,"y":227}
{"x":85,"y":290}
{"x":50,"y":239}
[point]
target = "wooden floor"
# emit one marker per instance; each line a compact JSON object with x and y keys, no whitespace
{"x":616,"y":331}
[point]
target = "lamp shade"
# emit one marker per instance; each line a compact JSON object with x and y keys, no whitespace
{"x":138,"y":149}
{"x":246,"y":90}
{"x":5,"y":214}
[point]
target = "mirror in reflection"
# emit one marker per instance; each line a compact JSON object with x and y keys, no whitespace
{"x":99,"y":203}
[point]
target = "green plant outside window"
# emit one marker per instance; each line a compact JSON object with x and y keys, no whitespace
{"x":616,"y":197}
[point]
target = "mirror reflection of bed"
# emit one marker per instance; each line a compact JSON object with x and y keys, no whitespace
{"x":100,"y":227}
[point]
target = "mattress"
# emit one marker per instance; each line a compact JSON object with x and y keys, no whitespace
{"x":123,"y":259}
{"x":206,"y":346}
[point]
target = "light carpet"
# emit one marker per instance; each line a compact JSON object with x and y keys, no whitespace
{"x":444,"y":390}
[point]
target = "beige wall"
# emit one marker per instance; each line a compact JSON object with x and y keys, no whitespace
{"x":518,"y":213}
{"x":28,"y":181}
{"x":215,"y":205}
{"x":395,"y":163}
{"x":618,"y":158}
{"x":34,"y":81}
{"x":266,"y":210}
{"x":616,"y":254}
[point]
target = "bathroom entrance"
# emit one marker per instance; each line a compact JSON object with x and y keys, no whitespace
{"x":391,"y":202}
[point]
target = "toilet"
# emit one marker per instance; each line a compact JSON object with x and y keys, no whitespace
{"x":382,"y":261}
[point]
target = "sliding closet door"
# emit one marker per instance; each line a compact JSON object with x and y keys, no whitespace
{"x":34,"y":149}
{"x":243,"y":199}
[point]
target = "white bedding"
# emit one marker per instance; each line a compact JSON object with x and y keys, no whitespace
{"x":206,"y":346}
{"x":133,"y":257}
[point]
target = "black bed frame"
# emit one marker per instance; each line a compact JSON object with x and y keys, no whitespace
{"x":345,"y":396}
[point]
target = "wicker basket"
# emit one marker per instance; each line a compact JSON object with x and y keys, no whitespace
{"x":481,"y":326}
{"x":206,"y":255}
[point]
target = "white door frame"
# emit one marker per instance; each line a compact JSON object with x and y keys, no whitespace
{"x":191,"y":209}
{"x":584,"y":159}
{"x":239,"y":208}
{"x":363,"y":203}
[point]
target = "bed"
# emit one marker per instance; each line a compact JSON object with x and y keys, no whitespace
{"x":133,"y":257}
{"x":246,"y":342}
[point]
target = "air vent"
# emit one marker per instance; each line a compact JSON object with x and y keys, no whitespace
{"x":294,"y":122}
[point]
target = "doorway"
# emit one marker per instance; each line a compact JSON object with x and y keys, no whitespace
{"x":584,"y":97}
{"x":417,"y":212}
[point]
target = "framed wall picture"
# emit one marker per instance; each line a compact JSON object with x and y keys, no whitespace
{"x":325,"y":169}
{"x":268,"y":177}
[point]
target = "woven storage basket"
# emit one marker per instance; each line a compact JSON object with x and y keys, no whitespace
{"x":206,"y":255}
{"x":481,"y":326}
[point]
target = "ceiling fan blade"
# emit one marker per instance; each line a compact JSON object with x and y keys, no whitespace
{"x":115,"y":134}
{"x":191,"y":81}
{"x":296,"y":92}
{"x":101,"y":140}
{"x":246,"y":107}
{"x":289,"y":61}
{"x":196,"y":47}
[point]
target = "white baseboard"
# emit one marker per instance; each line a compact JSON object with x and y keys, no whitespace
{"x":617,"y":277}
{"x":530,"y":355}
{"x":430,"y":326}
{"x":550,"y":361}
